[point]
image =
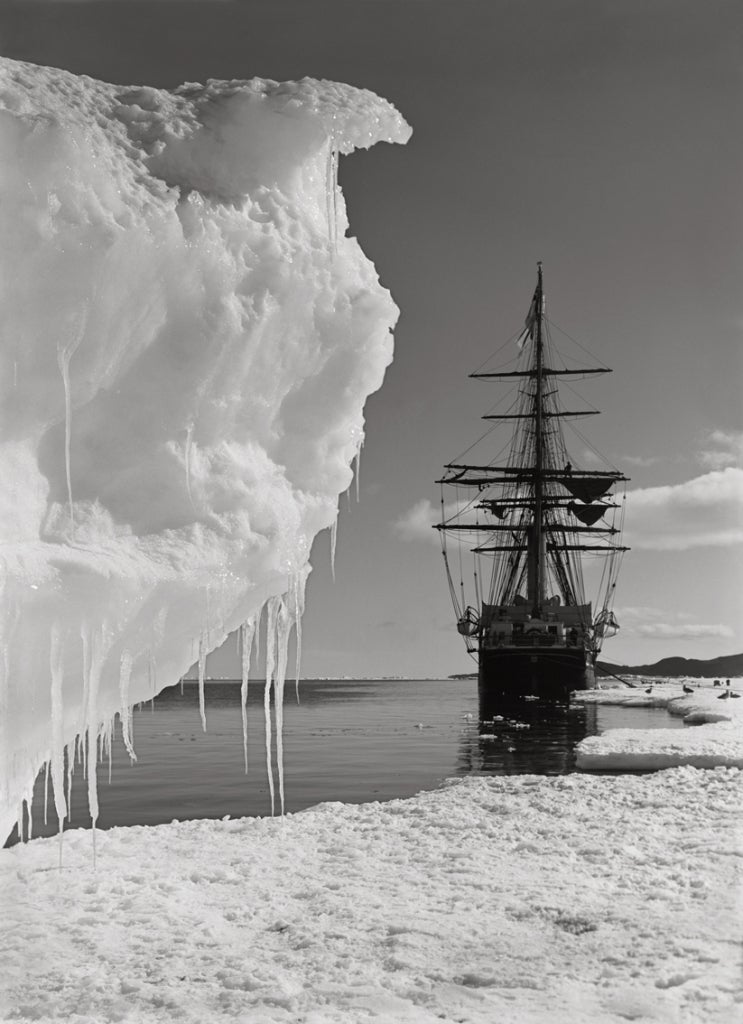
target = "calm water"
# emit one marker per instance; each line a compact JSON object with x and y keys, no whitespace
{"x":350,"y":741}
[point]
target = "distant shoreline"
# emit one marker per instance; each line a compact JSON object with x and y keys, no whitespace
{"x":334,"y":679}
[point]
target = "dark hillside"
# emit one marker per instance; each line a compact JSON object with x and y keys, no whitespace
{"x":728,"y":665}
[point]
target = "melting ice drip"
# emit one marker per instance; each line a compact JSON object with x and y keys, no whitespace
{"x":190,"y":339}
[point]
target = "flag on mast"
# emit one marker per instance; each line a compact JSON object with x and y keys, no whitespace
{"x":531,"y":319}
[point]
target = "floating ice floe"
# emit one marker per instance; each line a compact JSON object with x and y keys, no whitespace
{"x":714,"y":733}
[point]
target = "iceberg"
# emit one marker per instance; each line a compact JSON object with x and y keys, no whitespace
{"x":189,"y":337}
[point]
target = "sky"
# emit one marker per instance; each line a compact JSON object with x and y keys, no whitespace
{"x":599,"y":137}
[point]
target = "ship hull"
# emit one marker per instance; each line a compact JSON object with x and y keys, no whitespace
{"x":549,"y":674}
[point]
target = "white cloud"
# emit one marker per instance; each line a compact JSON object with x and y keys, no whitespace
{"x":725,"y":448}
{"x":417,"y":523}
{"x":640,"y":460}
{"x":636,"y":613}
{"x":591,"y":458}
{"x":682,"y":631}
{"x":706,"y":511}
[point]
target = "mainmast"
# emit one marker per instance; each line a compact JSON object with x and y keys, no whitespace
{"x":545,"y":506}
{"x":535,"y":554}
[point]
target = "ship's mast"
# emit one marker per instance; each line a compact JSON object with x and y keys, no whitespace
{"x":537,"y":496}
{"x":535,"y":575}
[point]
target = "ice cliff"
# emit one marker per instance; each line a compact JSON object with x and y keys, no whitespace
{"x":188,"y":339}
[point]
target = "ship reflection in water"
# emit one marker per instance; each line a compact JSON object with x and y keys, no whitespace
{"x":526,"y":736}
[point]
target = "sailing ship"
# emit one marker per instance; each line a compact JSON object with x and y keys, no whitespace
{"x":534,"y":528}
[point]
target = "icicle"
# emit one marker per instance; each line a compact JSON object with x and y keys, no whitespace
{"x":299,"y":582}
{"x":247,"y":632}
{"x":65,"y":353}
{"x":181,"y":686}
{"x":202,"y":673}
{"x":283,"y":629}
{"x":94,"y":677}
{"x":63,"y":358}
{"x":152,"y":678}
{"x":331,"y":195}
{"x":86,"y":685}
{"x":357,"y":471}
{"x":273,"y":607}
{"x":333,"y":538}
{"x":70,"y":759}
{"x":26,"y":801}
{"x":257,"y":637}
{"x":46,"y":789}
{"x":125,"y":712}
{"x":57,"y":759}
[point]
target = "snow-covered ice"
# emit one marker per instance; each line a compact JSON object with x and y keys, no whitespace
{"x":189,"y":337}
{"x":714,"y":735}
{"x":517,"y":900}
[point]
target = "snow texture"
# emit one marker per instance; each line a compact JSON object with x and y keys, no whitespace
{"x":189,"y":337}
{"x":517,"y":900}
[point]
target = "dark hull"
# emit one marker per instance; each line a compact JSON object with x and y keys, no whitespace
{"x":516,"y":672}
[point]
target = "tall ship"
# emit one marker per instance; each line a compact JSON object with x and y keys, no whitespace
{"x":527,"y":535}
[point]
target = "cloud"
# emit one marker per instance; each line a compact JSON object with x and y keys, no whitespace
{"x":682,"y":631}
{"x":704,"y":512}
{"x":725,"y":448}
{"x":640,"y":460}
{"x":648,"y":622}
{"x":417,"y":523}
{"x":636,"y":612}
{"x":590,"y":458}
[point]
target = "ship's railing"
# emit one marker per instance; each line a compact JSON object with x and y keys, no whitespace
{"x":532,"y":640}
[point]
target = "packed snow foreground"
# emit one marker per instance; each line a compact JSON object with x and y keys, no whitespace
{"x":574,"y":899}
{"x":188,"y":341}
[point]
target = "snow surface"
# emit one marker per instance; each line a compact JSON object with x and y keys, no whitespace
{"x":714,"y":735}
{"x":189,"y":339}
{"x":516,"y":900}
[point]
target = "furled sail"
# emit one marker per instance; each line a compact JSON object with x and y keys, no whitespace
{"x":588,"y":514}
{"x":587,"y":488}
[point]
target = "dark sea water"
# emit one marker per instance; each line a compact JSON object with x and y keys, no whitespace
{"x":352,"y":741}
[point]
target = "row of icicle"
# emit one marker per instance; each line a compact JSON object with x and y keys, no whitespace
{"x":94,"y":741}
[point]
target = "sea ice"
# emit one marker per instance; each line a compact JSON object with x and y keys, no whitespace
{"x":189,"y":337}
{"x":521,"y":899}
{"x":714,"y":736}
